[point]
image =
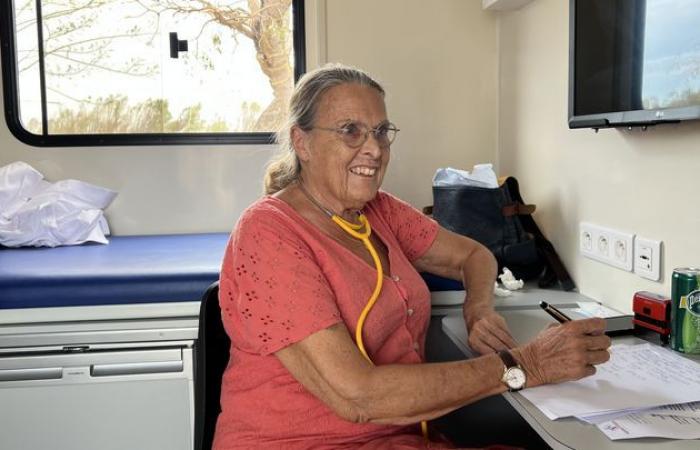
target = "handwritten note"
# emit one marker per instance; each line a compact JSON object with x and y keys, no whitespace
{"x":637,"y":376}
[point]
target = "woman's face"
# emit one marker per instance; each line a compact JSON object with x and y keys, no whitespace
{"x":341,"y":176}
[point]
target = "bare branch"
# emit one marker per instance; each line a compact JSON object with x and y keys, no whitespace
{"x":100,"y":66}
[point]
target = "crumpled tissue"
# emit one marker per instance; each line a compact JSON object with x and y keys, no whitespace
{"x":36,"y":213}
{"x":510,"y":283}
{"x":482,"y":175}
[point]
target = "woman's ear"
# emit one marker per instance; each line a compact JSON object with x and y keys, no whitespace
{"x":300,"y":143}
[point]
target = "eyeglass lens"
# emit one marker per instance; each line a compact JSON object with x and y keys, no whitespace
{"x":356,"y":134}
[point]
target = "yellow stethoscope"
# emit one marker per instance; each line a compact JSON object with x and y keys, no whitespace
{"x":362,"y":232}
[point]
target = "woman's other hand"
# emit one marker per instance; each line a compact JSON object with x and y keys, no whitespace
{"x":461,"y":258}
{"x":566,"y":352}
{"x":488,"y":332}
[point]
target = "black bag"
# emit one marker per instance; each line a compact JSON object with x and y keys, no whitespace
{"x":499,"y":219}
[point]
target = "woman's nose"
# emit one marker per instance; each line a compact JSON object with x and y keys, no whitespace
{"x":372,"y":146}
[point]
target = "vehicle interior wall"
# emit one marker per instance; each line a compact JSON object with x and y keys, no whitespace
{"x":438,"y":62}
{"x":641,"y":182}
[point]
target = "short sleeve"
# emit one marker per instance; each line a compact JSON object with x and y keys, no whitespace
{"x":414,"y":231}
{"x":273,"y":293}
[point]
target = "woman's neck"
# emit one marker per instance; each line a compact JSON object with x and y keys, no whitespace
{"x":317,"y":201}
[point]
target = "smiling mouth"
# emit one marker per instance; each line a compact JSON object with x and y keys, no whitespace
{"x":363,"y":171}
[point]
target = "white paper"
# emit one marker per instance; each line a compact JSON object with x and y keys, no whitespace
{"x":683,"y":409}
{"x":593,"y":309}
{"x":672,"y":421}
{"x":36,"y":213}
{"x":482,"y":175}
{"x":636,"y":376}
{"x":597,"y":418}
{"x":18,"y":183}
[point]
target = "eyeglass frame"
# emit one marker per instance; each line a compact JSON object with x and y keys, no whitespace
{"x":341,"y":130}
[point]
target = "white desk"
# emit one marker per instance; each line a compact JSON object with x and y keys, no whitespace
{"x":525,"y":321}
{"x":450,"y":302}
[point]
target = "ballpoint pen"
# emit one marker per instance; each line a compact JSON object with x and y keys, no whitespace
{"x":554,"y":312}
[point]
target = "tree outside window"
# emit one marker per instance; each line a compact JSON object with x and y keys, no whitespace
{"x":152,"y":71}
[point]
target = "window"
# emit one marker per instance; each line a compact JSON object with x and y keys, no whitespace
{"x":135,"y":72}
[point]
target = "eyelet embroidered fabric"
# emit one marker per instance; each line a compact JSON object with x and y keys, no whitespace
{"x":282,"y":280}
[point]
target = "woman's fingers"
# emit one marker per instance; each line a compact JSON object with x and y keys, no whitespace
{"x":600,"y":342}
{"x":486,"y":343}
{"x":569,"y":351}
{"x":593,"y":326}
{"x":589,"y":370}
{"x":597,"y":357}
{"x":490,"y":333}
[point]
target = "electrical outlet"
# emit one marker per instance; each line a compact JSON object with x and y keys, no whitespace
{"x":647,"y":258}
{"x":586,"y":241}
{"x":606,"y":245}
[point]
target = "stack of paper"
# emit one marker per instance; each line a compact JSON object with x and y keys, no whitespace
{"x":671,"y":421}
{"x":619,"y":398}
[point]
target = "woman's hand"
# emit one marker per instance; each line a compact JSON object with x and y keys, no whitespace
{"x":488,"y":332}
{"x":566,"y":352}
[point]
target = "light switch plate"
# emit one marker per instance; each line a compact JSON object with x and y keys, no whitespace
{"x":647,"y":258}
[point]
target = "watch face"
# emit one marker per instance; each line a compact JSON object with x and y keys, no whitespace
{"x":514,"y":378}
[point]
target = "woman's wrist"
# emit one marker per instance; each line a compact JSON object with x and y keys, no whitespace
{"x":526,"y":359}
{"x":474,"y":312}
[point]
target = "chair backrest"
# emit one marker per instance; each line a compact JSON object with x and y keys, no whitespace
{"x":211,"y":358}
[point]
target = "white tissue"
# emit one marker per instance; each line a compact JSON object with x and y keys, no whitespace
{"x":482,"y":175}
{"x":499,"y":291}
{"x":36,"y":213}
{"x":509,"y":282}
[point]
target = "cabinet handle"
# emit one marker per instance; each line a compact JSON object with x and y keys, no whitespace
{"x":44,"y":373}
{"x":106,"y":370}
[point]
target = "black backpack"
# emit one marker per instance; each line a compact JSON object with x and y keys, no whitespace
{"x":499,"y":219}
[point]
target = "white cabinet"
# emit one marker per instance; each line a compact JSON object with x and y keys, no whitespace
{"x":112,"y":384}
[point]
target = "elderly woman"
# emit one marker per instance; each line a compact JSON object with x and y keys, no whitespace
{"x":327,"y":314}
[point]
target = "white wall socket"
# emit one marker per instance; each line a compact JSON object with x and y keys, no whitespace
{"x":647,"y":258}
{"x":606,"y":245}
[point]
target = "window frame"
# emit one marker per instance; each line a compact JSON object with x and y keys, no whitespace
{"x":14,"y":123}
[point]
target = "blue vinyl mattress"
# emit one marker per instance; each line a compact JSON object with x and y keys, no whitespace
{"x":130,"y":269}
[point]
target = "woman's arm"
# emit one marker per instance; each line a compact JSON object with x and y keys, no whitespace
{"x":461,"y":258}
{"x":329,"y":365}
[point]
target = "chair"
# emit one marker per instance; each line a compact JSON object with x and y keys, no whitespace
{"x":211,"y":357}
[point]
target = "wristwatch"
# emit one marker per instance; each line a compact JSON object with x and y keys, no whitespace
{"x":513,"y":375}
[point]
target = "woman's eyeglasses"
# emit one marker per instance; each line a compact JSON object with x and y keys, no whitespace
{"x":355,"y":134}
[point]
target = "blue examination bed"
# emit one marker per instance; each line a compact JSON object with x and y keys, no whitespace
{"x":130,"y":269}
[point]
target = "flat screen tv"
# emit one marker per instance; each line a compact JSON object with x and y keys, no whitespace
{"x":633,"y":62}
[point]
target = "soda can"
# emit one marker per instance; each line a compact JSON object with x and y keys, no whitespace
{"x":685,"y":310}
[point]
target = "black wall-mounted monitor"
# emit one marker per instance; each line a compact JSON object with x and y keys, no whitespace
{"x":633,"y":62}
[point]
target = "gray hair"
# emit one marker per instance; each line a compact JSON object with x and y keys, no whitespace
{"x":284,"y":168}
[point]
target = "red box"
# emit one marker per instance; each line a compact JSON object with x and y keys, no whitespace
{"x":652,"y":311}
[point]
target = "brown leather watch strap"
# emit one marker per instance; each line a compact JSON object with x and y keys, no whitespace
{"x":507,"y":359}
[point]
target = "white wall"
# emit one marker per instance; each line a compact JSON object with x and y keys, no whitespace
{"x":438,"y":65}
{"x":641,"y":182}
{"x":465,"y":86}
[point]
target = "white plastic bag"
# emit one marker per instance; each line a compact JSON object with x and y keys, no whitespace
{"x":34,"y":212}
{"x":482,"y":175}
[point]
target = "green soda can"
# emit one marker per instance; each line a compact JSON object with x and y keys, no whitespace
{"x":685,"y":310}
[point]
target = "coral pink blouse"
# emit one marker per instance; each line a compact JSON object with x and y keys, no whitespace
{"x":282,"y":280}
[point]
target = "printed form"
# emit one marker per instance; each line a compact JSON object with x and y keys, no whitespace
{"x":671,"y":421}
{"x":635,"y":377}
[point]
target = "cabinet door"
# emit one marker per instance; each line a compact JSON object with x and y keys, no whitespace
{"x":104,"y":400}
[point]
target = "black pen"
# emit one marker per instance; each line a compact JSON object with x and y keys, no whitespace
{"x":554,"y":312}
